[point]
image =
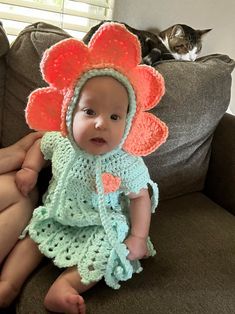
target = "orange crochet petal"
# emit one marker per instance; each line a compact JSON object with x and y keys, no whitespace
{"x":146,"y":135}
{"x":43,"y":111}
{"x":64,"y":62}
{"x":148,"y":85}
{"x":113,"y":44}
{"x":110,"y":182}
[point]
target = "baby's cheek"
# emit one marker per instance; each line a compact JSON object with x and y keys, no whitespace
{"x":77,"y":130}
{"x":118,"y":135}
{"x":78,"y":140}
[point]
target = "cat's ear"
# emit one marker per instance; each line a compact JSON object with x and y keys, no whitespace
{"x":202,"y":32}
{"x":177,"y":31}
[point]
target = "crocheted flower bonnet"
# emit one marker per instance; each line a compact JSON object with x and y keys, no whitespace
{"x":112,"y":51}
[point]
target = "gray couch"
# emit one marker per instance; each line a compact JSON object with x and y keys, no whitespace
{"x":194,"y":227}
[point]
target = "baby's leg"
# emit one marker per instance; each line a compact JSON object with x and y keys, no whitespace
{"x":22,"y":260}
{"x":15,"y":212}
{"x":64,"y":295}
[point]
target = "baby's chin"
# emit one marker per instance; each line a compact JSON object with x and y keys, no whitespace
{"x":98,"y":150}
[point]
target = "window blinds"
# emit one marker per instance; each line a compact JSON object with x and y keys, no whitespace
{"x":74,"y":16}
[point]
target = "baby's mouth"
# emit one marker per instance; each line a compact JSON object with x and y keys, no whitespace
{"x":98,"y":141}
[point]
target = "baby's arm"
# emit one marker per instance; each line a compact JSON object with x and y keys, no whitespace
{"x":26,"y":178}
{"x":140,"y":216}
{"x":12,"y":156}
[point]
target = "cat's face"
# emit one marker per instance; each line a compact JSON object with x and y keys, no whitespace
{"x":183,"y":42}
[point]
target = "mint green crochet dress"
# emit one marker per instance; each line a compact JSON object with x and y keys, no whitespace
{"x":79,"y":225}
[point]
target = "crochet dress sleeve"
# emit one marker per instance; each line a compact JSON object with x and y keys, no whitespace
{"x":136,"y":177}
{"x":48,"y":143}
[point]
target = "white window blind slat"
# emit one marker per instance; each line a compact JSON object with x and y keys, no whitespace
{"x":59,"y":3}
{"x":70,"y":7}
{"x":34,"y":5}
{"x":75,"y":16}
{"x":98,"y":3}
{"x":28,"y":16}
{"x":32,"y":16}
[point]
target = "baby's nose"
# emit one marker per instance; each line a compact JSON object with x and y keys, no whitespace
{"x":101,"y":123}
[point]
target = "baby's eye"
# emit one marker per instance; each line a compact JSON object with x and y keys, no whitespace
{"x":115,"y":117}
{"x":89,"y":112}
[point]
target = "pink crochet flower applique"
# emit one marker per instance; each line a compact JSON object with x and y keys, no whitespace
{"x":110,"y":182}
{"x":112,"y":46}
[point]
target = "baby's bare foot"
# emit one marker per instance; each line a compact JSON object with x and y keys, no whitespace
{"x":7,"y":293}
{"x":77,"y":302}
{"x":69,"y":302}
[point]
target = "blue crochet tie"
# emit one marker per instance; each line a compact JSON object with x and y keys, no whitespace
{"x":119,"y":252}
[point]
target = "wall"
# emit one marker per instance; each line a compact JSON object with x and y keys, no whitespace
{"x":200,"y":14}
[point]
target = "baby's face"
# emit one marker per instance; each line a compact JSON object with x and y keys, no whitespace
{"x":100,"y":117}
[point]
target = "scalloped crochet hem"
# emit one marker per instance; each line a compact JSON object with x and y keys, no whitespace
{"x":87,"y":248}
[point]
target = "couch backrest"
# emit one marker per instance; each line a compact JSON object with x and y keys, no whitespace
{"x":4,"y":46}
{"x":197,"y":96}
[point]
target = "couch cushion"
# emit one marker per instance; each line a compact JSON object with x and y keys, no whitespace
{"x":193,"y":271}
{"x":4,"y":46}
{"x":220,"y":179}
{"x":23,"y":75}
{"x":197,"y":96}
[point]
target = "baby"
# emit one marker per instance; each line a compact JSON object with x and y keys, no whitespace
{"x":96,"y":214}
{"x":15,"y":209}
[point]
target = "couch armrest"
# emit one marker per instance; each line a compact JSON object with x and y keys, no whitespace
{"x":220,"y":182}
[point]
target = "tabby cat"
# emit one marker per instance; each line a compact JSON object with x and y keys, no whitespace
{"x":179,"y":42}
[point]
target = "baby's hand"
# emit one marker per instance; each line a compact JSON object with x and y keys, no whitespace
{"x":137,"y":247}
{"x":26,"y":180}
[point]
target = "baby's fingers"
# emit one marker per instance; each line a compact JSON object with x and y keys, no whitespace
{"x":23,"y":189}
{"x":131,"y":256}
